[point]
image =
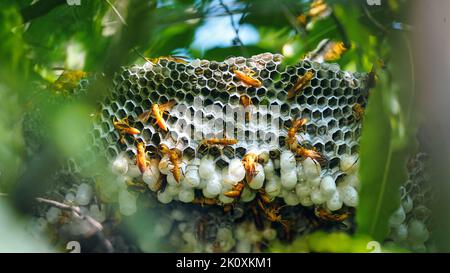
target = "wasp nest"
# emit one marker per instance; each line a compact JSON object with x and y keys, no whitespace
{"x":208,"y":150}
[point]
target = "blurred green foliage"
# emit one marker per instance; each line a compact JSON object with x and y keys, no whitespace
{"x":37,"y":36}
{"x":387,"y":143}
{"x":336,"y":242}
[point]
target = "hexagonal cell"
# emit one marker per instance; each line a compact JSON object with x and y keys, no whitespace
{"x":285,"y":109}
{"x":329,"y":146}
{"x":307,"y":91}
{"x":342,"y":101}
{"x":311,"y":100}
{"x":348,"y":136}
{"x":324,"y":83}
{"x":332,"y":124}
{"x":205,"y":91}
{"x":327,"y":113}
{"x":307,"y":113}
{"x":342,"y":149}
{"x":285,"y":77}
{"x":295,"y":112}
{"x":321,"y":101}
{"x":129,"y":106}
{"x":317,"y":115}
{"x":240,"y":152}
{"x":322,"y":130}
{"x":337,"y":136}
{"x":315,"y":82}
{"x":311,"y":129}
{"x":354,"y":149}
{"x":346,"y":110}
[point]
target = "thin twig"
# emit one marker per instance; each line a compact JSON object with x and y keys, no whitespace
{"x":76,"y":211}
{"x":373,"y":20}
{"x":117,"y":12}
{"x":291,"y":18}
{"x":235,"y":25}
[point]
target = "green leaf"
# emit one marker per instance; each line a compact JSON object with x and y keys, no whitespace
{"x":387,"y":141}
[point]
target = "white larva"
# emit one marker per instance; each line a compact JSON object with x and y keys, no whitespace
{"x":164,"y":165}
{"x":186,"y":195}
{"x":352,"y":180}
{"x":257,"y":181}
{"x":191,"y":178}
{"x":207,"y":168}
{"x":311,"y":168}
{"x":349,"y":164}
{"x":121,"y":182}
{"x":284,"y":192}
{"x":120,"y":165}
{"x":315,"y":182}
{"x":127,"y":203}
{"x":84,"y":194}
{"x":203,"y":183}
{"x":52,"y":215}
{"x":276,"y":164}
{"x":247,"y":195}
{"x":291,"y":199}
{"x":273,"y":187}
{"x":317,"y":197}
{"x":300,"y":173}
{"x":397,"y":218}
{"x":172,"y":190}
{"x":152,"y":175}
{"x":236,"y":170}
{"x":417,"y":232}
{"x":213,"y":188}
{"x":70,"y":197}
{"x":335,"y":202}
{"x":154,"y":186}
{"x":306,"y":201}
{"x":269,"y":169}
{"x":349,"y":195}
{"x":400,"y":233}
{"x":228,"y":181}
{"x":327,"y":187}
{"x":287,"y":161}
{"x":206,"y":193}
{"x":171,"y":179}
{"x":164,"y":197}
{"x":133,"y":171}
{"x":302,"y":190}
{"x":96,"y":213}
{"x":407,"y":204}
{"x":289,"y":179}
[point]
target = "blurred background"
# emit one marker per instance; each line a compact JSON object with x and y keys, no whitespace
{"x":58,"y":59}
